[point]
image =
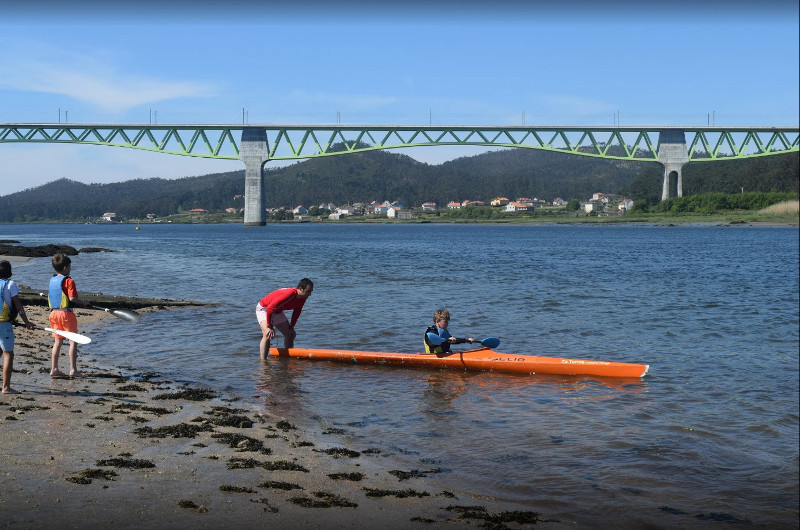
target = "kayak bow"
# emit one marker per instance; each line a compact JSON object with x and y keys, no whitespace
{"x":478,"y":360}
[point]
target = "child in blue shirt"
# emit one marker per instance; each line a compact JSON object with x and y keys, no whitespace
{"x":441,"y":319}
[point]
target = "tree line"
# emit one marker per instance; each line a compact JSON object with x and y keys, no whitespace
{"x":383,"y":175}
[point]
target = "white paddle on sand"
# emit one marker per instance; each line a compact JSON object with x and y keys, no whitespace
{"x":77,"y":337}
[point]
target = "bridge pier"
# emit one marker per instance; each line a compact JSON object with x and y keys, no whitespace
{"x":254,"y":152}
{"x":672,"y":154}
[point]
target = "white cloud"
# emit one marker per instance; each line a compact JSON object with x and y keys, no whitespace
{"x":88,"y":77}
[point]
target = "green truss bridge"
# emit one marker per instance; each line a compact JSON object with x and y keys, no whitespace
{"x":255,"y":145}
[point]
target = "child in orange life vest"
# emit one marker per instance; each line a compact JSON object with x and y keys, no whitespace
{"x":441,"y":319}
{"x":10,"y":307}
{"x":62,"y":296}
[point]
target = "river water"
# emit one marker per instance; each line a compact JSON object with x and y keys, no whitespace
{"x":708,"y":438}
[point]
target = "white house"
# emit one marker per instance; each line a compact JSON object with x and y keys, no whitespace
{"x":392,"y":212}
{"x":110,"y":216}
{"x":515,"y":206}
{"x":428,"y":206}
{"x":589,"y":207}
{"x":625,"y":205}
{"x":454,"y":205}
{"x":300,"y":210}
{"x":558,"y":201}
{"x":499,"y":201}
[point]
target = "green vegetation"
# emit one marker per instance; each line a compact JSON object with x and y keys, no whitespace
{"x":383,"y":175}
{"x":709,"y":203}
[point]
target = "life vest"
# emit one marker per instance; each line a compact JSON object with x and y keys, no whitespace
{"x":56,"y":296}
{"x":430,"y":348}
{"x":9,"y":312}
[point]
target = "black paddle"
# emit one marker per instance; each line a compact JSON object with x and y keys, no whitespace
{"x":488,"y":342}
{"x":125,"y":314}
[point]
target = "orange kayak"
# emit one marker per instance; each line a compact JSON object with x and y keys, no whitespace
{"x":478,"y":360}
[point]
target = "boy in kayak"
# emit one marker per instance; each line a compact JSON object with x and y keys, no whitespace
{"x":269,"y":313}
{"x":10,"y":307}
{"x":441,"y":318}
{"x":62,"y":296}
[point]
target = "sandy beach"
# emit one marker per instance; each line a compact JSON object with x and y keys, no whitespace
{"x":107,"y":451}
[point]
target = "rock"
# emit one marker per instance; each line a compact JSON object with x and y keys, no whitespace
{"x":41,"y":251}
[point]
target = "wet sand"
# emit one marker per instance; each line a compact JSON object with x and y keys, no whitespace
{"x":106,"y":451}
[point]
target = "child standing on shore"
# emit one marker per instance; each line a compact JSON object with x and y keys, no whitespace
{"x":62,"y":297}
{"x":11,"y":307}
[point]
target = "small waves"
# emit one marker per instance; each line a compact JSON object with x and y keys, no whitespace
{"x":710,"y":436}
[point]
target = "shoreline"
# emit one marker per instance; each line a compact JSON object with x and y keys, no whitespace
{"x":111,"y":451}
{"x":725,"y":218}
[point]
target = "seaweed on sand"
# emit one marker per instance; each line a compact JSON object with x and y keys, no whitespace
{"x":244,"y":463}
{"x":189,"y":394}
{"x":126,"y":408}
{"x":85,"y":477}
{"x":226,"y":417}
{"x":414,"y":473}
{"x":242,"y":443}
{"x":181,"y":430}
{"x":354,"y":477}
{"x":327,"y":500}
{"x":494,"y":520}
{"x":235,"y":489}
{"x":338,"y":452}
{"x":279,"y":485}
{"x":284,"y":465}
{"x":285,"y":426}
{"x":127,"y":463}
{"x":400,"y":494}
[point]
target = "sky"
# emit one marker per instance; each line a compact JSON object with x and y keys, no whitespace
{"x":464,"y":62}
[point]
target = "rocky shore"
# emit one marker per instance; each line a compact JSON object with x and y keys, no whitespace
{"x":113,"y":451}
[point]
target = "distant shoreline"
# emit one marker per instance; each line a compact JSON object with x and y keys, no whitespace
{"x":660,"y":220}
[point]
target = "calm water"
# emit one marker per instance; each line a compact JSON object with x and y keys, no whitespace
{"x":708,"y":438}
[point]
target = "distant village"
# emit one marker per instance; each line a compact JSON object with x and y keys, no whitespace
{"x":600,"y":204}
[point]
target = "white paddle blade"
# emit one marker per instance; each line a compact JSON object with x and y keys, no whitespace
{"x":80,"y":339}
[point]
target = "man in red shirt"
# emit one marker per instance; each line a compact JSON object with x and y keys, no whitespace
{"x":269,"y":312}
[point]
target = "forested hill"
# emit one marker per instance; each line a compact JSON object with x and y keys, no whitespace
{"x":383,"y":175}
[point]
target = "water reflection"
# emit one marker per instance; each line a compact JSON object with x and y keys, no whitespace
{"x":279,"y":388}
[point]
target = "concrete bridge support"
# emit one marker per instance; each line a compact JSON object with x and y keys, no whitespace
{"x":672,"y":154}
{"x":254,"y":152}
